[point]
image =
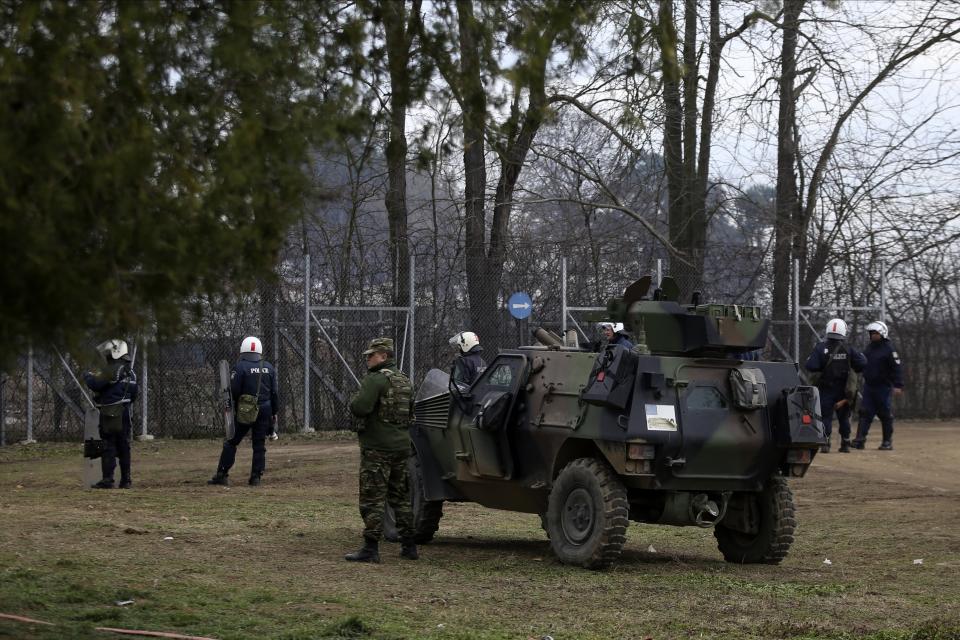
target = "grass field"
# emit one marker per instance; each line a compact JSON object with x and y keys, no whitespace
{"x":267,"y":562}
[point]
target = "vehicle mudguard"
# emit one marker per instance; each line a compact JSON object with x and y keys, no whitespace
{"x":434,"y":486}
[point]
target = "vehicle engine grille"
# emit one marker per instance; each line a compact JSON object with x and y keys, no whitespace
{"x":432,"y":412}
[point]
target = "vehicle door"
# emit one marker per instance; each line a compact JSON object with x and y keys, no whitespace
{"x":488,"y":407}
{"x":718,"y":439}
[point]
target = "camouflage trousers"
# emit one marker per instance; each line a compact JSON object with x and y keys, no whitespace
{"x":384,"y":479}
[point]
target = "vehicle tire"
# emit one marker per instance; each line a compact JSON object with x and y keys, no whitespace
{"x":774,"y":535}
{"x":426,"y":513}
{"x":587,"y":515}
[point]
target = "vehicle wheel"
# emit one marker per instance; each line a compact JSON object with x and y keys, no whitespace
{"x":587,"y":515}
{"x":426,"y":513}
{"x":769,"y":541}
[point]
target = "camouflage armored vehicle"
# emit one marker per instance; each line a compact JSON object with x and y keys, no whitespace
{"x":677,"y":431}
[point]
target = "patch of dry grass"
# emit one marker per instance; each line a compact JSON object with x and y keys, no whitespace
{"x":267,"y":562}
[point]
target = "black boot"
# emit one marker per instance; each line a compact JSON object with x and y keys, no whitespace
{"x":886,"y":445}
{"x":825,"y":447}
{"x":858,"y":444}
{"x":220,"y":478}
{"x":844,"y":446}
{"x":369,"y":553}
{"x":106,"y":483}
{"x":408,"y":550}
{"x":254,"y":481}
{"x":125,"y":483}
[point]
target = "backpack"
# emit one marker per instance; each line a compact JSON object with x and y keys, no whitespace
{"x":248,"y":404}
{"x":395,"y":402}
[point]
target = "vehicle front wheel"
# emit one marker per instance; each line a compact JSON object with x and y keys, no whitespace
{"x":761,"y":526}
{"x":587,"y":515}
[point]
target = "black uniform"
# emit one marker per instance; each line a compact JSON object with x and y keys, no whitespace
{"x":881,"y":376}
{"x":116,"y":385}
{"x":834,"y":360}
{"x":244,"y":378}
{"x":468,"y":366}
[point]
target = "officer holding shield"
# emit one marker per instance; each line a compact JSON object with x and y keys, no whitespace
{"x":114,"y":388}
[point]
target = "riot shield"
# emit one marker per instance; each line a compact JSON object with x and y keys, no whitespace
{"x":92,"y":447}
{"x":226,"y":398}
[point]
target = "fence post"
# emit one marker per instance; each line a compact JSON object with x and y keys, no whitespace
{"x":883,"y":292}
{"x":413,"y":311}
{"x":306,"y":344}
{"x":29,"y":439}
{"x":3,"y":410}
{"x":144,"y":396}
{"x":796,"y":310}
{"x":563,"y":297}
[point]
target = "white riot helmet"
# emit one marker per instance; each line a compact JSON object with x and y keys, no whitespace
{"x":113,"y":349}
{"x":879,"y":327}
{"x":616,"y":327}
{"x":836,"y":329}
{"x":465,"y":340}
{"x":251,"y":344}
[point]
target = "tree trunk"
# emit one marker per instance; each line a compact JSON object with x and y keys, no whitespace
{"x":399,"y":36}
{"x":481,"y":291}
{"x":678,"y":209}
{"x":787,"y":200}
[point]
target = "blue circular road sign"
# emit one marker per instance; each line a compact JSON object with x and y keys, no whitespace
{"x":520,"y":305}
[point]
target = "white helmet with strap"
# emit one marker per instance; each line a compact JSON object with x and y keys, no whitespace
{"x":837,"y":329}
{"x":251,"y":344}
{"x":879,"y":327}
{"x":113,"y":349}
{"x":465,"y":340}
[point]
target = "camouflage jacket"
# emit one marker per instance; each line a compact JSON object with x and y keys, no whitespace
{"x":365,"y":403}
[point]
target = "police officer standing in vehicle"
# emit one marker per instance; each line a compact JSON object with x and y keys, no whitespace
{"x":253,"y":383}
{"x":882,"y":379}
{"x":833,"y":359}
{"x":382,"y":404}
{"x":114,"y":388}
{"x":612,"y":333}
{"x":469,"y":363}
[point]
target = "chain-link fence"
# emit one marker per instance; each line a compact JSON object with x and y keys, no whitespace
{"x":326,"y":331}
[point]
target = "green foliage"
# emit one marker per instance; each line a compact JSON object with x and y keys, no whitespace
{"x":151,"y":152}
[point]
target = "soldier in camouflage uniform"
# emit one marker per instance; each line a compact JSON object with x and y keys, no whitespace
{"x":382,"y":405}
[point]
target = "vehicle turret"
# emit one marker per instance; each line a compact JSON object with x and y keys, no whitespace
{"x":662,"y":325}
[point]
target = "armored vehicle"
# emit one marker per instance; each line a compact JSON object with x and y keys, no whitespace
{"x":680,"y":430}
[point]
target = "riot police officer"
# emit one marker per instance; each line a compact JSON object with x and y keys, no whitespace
{"x":253,"y":383}
{"x":835,"y":361}
{"x":882,"y":379}
{"x":114,"y":388}
{"x":469,"y":364}
{"x":612,"y":333}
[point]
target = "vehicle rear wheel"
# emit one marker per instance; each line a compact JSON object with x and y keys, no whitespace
{"x":426,"y":513}
{"x":587,"y":515}
{"x":765,"y":526}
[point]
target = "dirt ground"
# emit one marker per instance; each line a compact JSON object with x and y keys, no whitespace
{"x":877,"y":555}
